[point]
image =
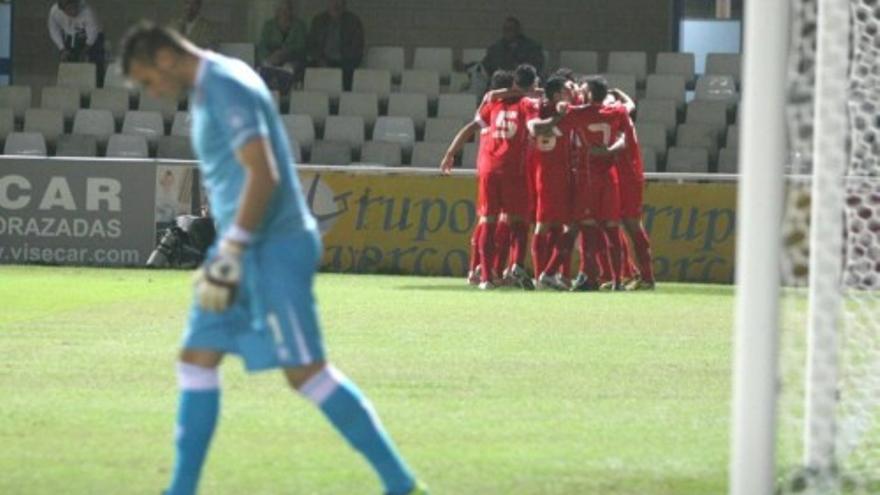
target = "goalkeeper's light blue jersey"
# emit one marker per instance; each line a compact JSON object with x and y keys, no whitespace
{"x":231,"y":106}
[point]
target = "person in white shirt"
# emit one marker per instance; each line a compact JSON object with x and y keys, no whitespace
{"x":77,"y":34}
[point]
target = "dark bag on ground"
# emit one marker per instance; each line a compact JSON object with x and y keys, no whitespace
{"x":184,"y":244}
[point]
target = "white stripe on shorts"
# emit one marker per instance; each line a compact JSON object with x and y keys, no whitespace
{"x":278,"y":336}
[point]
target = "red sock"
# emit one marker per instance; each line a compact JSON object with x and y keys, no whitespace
{"x":553,"y":235}
{"x":487,"y":251}
{"x":540,"y":243}
{"x":615,"y":252}
{"x":519,"y":238}
{"x":594,"y":252}
{"x":502,"y":246}
{"x":560,"y":246}
{"x":642,"y":245}
{"x":629,"y":269}
{"x":475,"y":246}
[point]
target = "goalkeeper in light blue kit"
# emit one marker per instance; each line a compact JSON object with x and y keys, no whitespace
{"x":253,"y":296}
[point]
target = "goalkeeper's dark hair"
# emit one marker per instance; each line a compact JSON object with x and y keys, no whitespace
{"x":525,"y":76}
{"x":554,"y":86}
{"x":144,"y":40}
{"x":598,"y":88}
{"x":565,"y":73}
{"x":501,"y":79}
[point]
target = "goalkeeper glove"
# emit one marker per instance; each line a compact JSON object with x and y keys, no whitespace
{"x":218,"y":280}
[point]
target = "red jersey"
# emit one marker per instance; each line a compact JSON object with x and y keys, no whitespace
{"x":553,"y":153}
{"x":504,"y":137}
{"x":632,"y":168}
{"x":598,"y":125}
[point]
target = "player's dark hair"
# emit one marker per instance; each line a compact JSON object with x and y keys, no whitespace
{"x":525,"y":76}
{"x":144,"y":40}
{"x":501,"y":79}
{"x":565,"y":73}
{"x":598,"y":88}
{"x":553,"y":86}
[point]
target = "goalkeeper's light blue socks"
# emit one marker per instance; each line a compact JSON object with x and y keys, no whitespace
{"x":196,"y":419}
{"x":353,"y":416}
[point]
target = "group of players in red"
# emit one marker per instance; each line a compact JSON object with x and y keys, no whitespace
{"x":566,"y":159}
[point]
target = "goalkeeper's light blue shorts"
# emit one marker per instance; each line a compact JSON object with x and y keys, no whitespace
{"x":273,"y":321}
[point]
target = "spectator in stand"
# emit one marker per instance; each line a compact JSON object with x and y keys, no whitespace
{"x":336,"y":39}
{"x":75,"y":30}
{"x":513,"y":49}
{"x":195,"y":27}
{"x":281,"y":51}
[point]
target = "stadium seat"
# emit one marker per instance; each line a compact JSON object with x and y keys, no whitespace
{"x":61,"y":98}
{"x":653,"y":135}
{"x":175,"y":148}
{"x":146,"y":124}
{"x":732,"y":138}
{"x":300,"y":128}
{"x":428,"y":155}
{"x":687,"y":160}
{"x":181,"y":125}
{"x":698,"y":135}
{"x":457,"y":105}
{"x":421,"y":81}
{"x":667,"y":87}
{"x":345,"y":129}
{"x":127,"y":146}
{"x":330,"y":153}
{"x":442,"y":130}
{"x":437,"y":59}
{"x":313,"y":104}
{"x":581,"y":62}
{"x":324,"y":80}
{"x":649,"y":158}
{"x":49,"y":123}
{"x":661,"y":111}
{"x":166,"y":107}
{"x":113,"y":78}
{"x":241,"y":51}
{"x":25,"y":144}
{"x":471,"y":55}
{"x":297,"y":151}
{"x":18,"y":98}
{"x":376,"y":81}
{"x":399,"y":130}
{"x":81,"y":76}
{"x":390,"y":58}
{"x":382,"y":153}
{"x":276,"y":97}
{"x":365,"y":105}
{"x":413,"y":105}
{"x":7,"y":123}
{"x":728,"y":162}
{"x":97,"y":123}
{"x":717,"y":88}
{"x":623,"y":82}
{"x":76,"y":145}
{"x":724,"y":64}
{"x":469,"y":155}
{"x":113,"y":99}
{"x":675,"y":63}
{"x":712,"y":113}
{"x":633,"y":63}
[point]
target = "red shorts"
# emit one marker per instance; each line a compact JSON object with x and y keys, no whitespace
{"x":502,"y":193}
{"x":631,"y":198}
{"x":554,"y":198}
{"x":597,"y":197}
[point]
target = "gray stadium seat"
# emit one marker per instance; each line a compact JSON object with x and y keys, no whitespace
{"x":345,"y":129}
{"x":442,"y":130}
{"x":127,"y":146}
{"x":649,"y":158}
{"x":717,"y":88}
{"x":437,"y":59}
{"x":458,"y":105}
{"x":399,"y":130}
{"x":76,"y":145}
{"x":421,"y":81}
{"x":382,"y":153}
{"x":25,"y":144}
{"x":676,"y":63}
{"x":18,"y":98}
{"x":314,"y":104}
{"x":7,"y":122}
{"x":181,"y":125}
{"x":81,"y":76}
{"x":633,"y":63}
{"x":724,"y":64}
{"x":728,"y":162}
{"x":97,"y":123}
{"x":330,"y":153}
{"x":175,"y":148}
{"x":687,"y":160}
{"x":364,"y":105}
{"x":427,"y":155}
{"x":623,"y":82}
{"x":390,"y":58}
{"x":49,"y":123}
{"x":376,"y":81}
{"x":660,"y":111}
{"x":413,"y":105}
{"x":698,"y":135}
{"x":712,"y":113}
{"x":164,"y":106}
{"x":469,"y":155}
{"x":653,"y":135}
{"x":581,"y":62}
{"x":667,"y":87}
{"x":113,"y":78}
{"x":732,"y":139}
{"x":471,"y":55}
{"x":300,"y":128}
{"x":113,"y":99}
{"x":61,"y":98}
{"x":146,"y":124}
{"x":324,"y":80}
{"x":241,"y":51}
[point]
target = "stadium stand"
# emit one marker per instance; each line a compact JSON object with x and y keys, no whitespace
{"x":382,"y":153}
{"x":469,"y":155}
{"x":427,"y":155}
{"x":581,"y":62}
{"x":660,"y":111}
{"x":127,"y":146}
{"x":442,"y":130}
{"x":707,"y":112}
{"x":324,"y":80}
{"x":364,"y":105}
{"x":649,"y":159}
{"x":97,"y":123}
{"x":390,"y":58}
{"x":687,"y":160}
{"x":727,"y":161}
{"x":25,"y":144}
{"x":698,"y":136}
{"x":437,"y":59}
{"x":49,"y":123}
{"x":675,"y":63}
{"x":180,"y":126}
{"x":472,"y":55}
{"x":373,"y":81}
{"x":144,"y":123}
{"x":632,"y":63}
{"x":421,"y":81}
{"x":242,"y":51}
{"x":18,"y":98}
{"x":114,"y":99}
{"x":331,"y":153}
{"x":717,"y":88}
{"x":7,"y":123}
{"x":653,"y":135}
{"x":113,"y":78}
{"x":311,"y":103}
{"x":624,"y":82}
{"x":166,"y":107}
{"x":457,"y":105}
{"x":724,"y":64}
{"x":77,"y":145}
{"x":346,"y":129}
{"x":399,"y":130}
{"x":667,"y":87}
{"x":413,"y":105}
{"x":300,"y":128}
{"x":82,"y":76}
{"x":61,"y":98}
{"x":174,"y":148}
{"x":732,"y":138}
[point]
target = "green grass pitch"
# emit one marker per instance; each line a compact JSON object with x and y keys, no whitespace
{"x":485,"y":393}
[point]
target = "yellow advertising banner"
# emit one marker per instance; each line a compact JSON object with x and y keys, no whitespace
{"x":421,"y":224}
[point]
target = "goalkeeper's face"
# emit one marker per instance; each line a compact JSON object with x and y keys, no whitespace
{"x":162,"y":78}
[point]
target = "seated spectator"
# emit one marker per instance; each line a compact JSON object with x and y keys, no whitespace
{"x":75,"y":30}
{"x":195,"y":27}
{"x":336,"y":39}
{"x":281,"y":51}
{"x":513,"y":49}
